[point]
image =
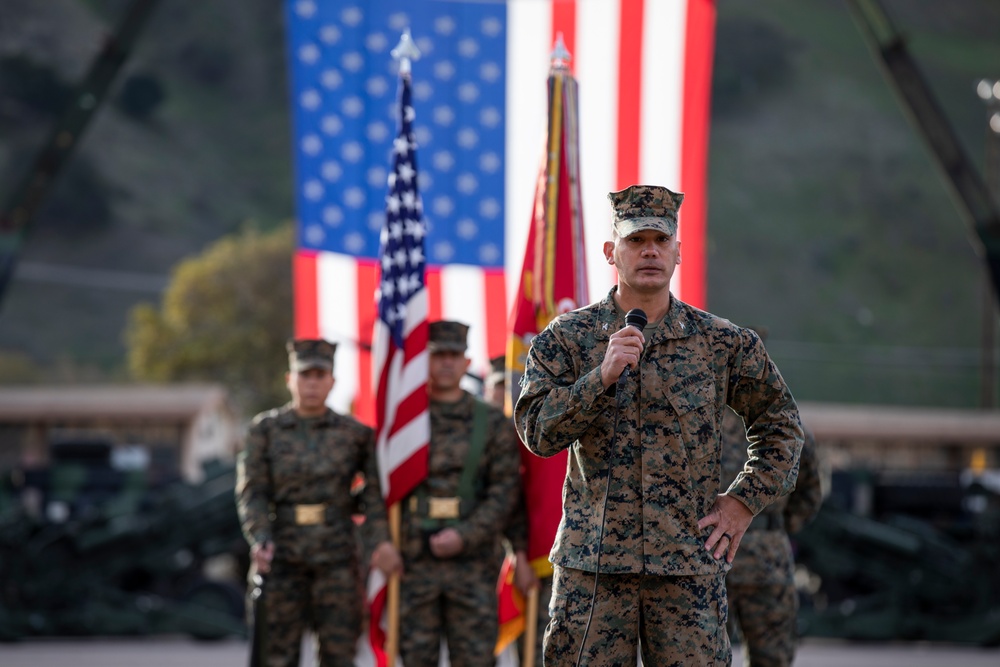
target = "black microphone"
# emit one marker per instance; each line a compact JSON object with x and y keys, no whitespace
{"x":633,"y":318}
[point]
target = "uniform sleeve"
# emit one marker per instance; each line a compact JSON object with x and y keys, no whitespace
{"x":376,"y":523}
{"x":517,"y":526}
{"x":556,"y":407}
{"x":516,"y":531}
{"x":805,"y":500}
{"x":253,"y":486}
{"x":758,"y":393}
{"x":502,"y":489}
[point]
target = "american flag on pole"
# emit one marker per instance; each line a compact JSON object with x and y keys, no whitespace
{"x":644,"y":70}
{"x":402,"y":421}
{"x":553,"y":281}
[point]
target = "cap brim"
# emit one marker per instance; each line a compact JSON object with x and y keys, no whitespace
{"x":309,"y":364}
{"x":446,"y":347}
{"x":633,"y":225}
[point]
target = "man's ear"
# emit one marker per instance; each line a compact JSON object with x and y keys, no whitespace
{"x":609,"y":252}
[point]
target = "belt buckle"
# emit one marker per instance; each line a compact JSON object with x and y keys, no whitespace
{"x":309,"y":515}
{"x":443,"y":508}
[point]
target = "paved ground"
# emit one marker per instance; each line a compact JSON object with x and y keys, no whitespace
{"x":182,"y":652}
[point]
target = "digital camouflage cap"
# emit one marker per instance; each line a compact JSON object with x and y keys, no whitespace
{"x":640,"y":207}
{"x":447,"y":336}
{"x":304,"y":354}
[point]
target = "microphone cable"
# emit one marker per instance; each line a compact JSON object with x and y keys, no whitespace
{"x":637,"y":318}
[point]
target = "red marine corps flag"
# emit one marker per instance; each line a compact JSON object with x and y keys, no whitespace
{"x":399,"y":353}
{"x":553,"y":281}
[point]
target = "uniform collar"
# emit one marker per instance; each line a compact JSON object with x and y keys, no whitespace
{"x":679,"y":322}
{"x":288,"y":419}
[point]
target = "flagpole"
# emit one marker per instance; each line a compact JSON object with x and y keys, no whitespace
{"x":392,"y":592}
{"x":544,"y":299}
{"x":405,"y":52}
{"x":530,"y":628}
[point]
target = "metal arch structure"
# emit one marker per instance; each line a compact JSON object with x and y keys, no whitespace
{"x":966,"y":184}
{"x":28,"y":196}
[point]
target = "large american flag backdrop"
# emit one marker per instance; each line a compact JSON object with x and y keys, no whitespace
{"x":644,"y":73}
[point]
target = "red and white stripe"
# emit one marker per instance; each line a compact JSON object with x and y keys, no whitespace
{"x":644,"y":73}
{"x":404,"y":424}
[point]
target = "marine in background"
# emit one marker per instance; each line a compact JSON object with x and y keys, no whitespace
{"x":763,"y":603}
{"x":525,"y":579}
{"x":293,"y":495}
{"x":451,"y":543}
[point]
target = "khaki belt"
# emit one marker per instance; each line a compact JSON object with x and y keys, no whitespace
{"x":302,"y":514}
{"x":310,"y":515}
{"x":438,"y":508}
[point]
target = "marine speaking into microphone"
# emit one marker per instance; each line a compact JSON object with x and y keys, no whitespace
{"x":645,"y":538}
{"x":633,"y":318}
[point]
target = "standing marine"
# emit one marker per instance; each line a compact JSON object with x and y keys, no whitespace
{"x":296,"y":477}
{"x":453,"y":521}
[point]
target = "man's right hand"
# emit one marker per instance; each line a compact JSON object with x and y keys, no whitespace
{"x":624,"y":349}
{"x":262,"y":554}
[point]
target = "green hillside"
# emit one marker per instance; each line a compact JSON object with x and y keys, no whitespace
{"x":828,"y":220}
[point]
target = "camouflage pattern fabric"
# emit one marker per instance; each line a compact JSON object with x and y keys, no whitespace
{"x":667,"y":453}
{"x":327,"y":600}
{"x":639,"y":207}
{"x":456,"y":598}
{"x":544,"y":600}
{"x":307,"y":353}
{"x":804,"y":502}
{"x":446,"y":336}
{"x":761,"y":585}
{"x":664,"y":461}
{"x":315,"y":581}
{"x":692,"y":607}
{"x":516,"y":530}
{"x":516,"y":534}
{"x":767,"y":618}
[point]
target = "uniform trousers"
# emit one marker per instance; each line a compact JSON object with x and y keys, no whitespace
{"x":451,"y":598}
{"x":322,"y":597}
{"x":767,"y":617}
{"x":679,"y":621}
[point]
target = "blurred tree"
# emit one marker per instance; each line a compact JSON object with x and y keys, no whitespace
{"x":224,"y":318}
{"x":17,"y":368}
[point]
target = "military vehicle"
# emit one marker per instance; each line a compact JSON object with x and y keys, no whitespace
{"x":110,"y":556}
{"x":921,"y":566}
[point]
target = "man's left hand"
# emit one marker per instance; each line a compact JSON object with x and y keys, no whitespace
{"x":386,"y":558}
{"x":447,"y":543}
{"x":731,"y":519}
{"x":524,"y":575}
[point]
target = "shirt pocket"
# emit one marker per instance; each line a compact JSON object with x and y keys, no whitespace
{"x":694,"y":405}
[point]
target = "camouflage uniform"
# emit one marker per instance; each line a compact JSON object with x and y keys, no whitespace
{"x":516,"y":532}
{"x":289,"y":463}
{"x":663,"y":455}
{"x":456,"y":597}
{"x":761,"y":586}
